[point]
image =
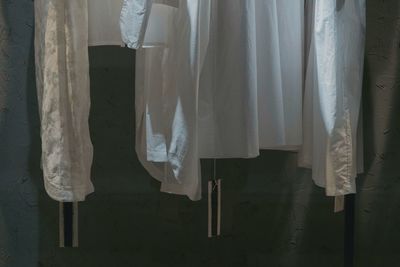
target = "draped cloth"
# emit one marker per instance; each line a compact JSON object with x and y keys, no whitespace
{"x":251,"y":84}
{"x":214,"y":79}
{"x":332,"y":97}
{"x":62,"y":70}
{"x":167,"y":88}
{"x":252,"y":93}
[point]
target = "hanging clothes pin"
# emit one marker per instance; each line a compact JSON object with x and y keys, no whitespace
{"x":339,"y":204}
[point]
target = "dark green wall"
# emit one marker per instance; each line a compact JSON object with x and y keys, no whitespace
{"x":273,"y":215}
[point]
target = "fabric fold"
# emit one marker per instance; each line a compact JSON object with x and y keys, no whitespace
{"x":62,"y":69}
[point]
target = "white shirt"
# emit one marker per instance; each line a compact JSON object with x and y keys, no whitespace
{"x":167,"y":84}
{"x":103,"y":18}
{"x":219,"y":79}
{"x":333,"y":94}
{"x":251,"y":86}
{"x":247,"y":97}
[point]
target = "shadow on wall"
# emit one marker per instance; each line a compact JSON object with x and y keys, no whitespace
{"x":4,"y":52}
{"x":18,"y":186}
{"x":5,"y":35}
{"x":378,"y":206}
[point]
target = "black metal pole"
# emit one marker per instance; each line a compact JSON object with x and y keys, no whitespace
{"x":349,"y":225}
{"x":68,"y":223}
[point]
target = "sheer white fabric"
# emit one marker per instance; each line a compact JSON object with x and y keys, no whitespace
{"x":62,"y":71}
{"x":214,"y":79}
{"x":104,"y":19}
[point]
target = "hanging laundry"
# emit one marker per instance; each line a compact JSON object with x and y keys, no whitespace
{"x":231,"y":120}
{"x":104,"y":22}
{"x":332,"y":94}
{"x":214,"y":79}
{"x":62,"y":74}
{"x":167,"y":84}
{"x":251,"y":85}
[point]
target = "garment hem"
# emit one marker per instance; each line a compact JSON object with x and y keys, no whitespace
{"x":67,"y":195}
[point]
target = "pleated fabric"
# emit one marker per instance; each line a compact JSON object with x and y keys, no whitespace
{"x":266,"y":84}
{"x":243,"y":92}
{"x":252,"y":80}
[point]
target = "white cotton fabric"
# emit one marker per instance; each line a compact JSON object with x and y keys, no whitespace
{"x":249,"y":91}
{"x":104,"y":20}
{"x":214,"y":79}
{"x":251,"y":88}
{"x":166,"y":106}
{"x":63,"y":31}
{"x":251,"y":84}
{"x":62,"y":72}
{"x":333,"y":93}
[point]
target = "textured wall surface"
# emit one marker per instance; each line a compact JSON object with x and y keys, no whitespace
{"x":272,"y":213}
{"x":378,"y":208}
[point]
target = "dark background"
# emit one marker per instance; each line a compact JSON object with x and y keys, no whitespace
{"x":273,"y":215}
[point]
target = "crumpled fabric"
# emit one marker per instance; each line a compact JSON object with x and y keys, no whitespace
{"x":133,"y":21}
{"x":62,"y":70}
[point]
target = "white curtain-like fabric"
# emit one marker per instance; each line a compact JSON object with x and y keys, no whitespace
{"x":251,"y":85}
{"x":333,"y":93}
{"x":251,"y":95}
{"x":104,"y":20}
{"x":62,"y":70}
{"x":214,"y":79}
{"x":134,"y":19}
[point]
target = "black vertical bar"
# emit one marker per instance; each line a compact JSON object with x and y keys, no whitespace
{"x":214,"y":201}
{"x":68,"y":223}
{"x":349,"y":225}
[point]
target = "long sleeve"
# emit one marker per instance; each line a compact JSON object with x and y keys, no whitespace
{"x":62,"y":69}
{"x":134,"y":19}
{"x":171,"y":43}
{"x":333,"y":93}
